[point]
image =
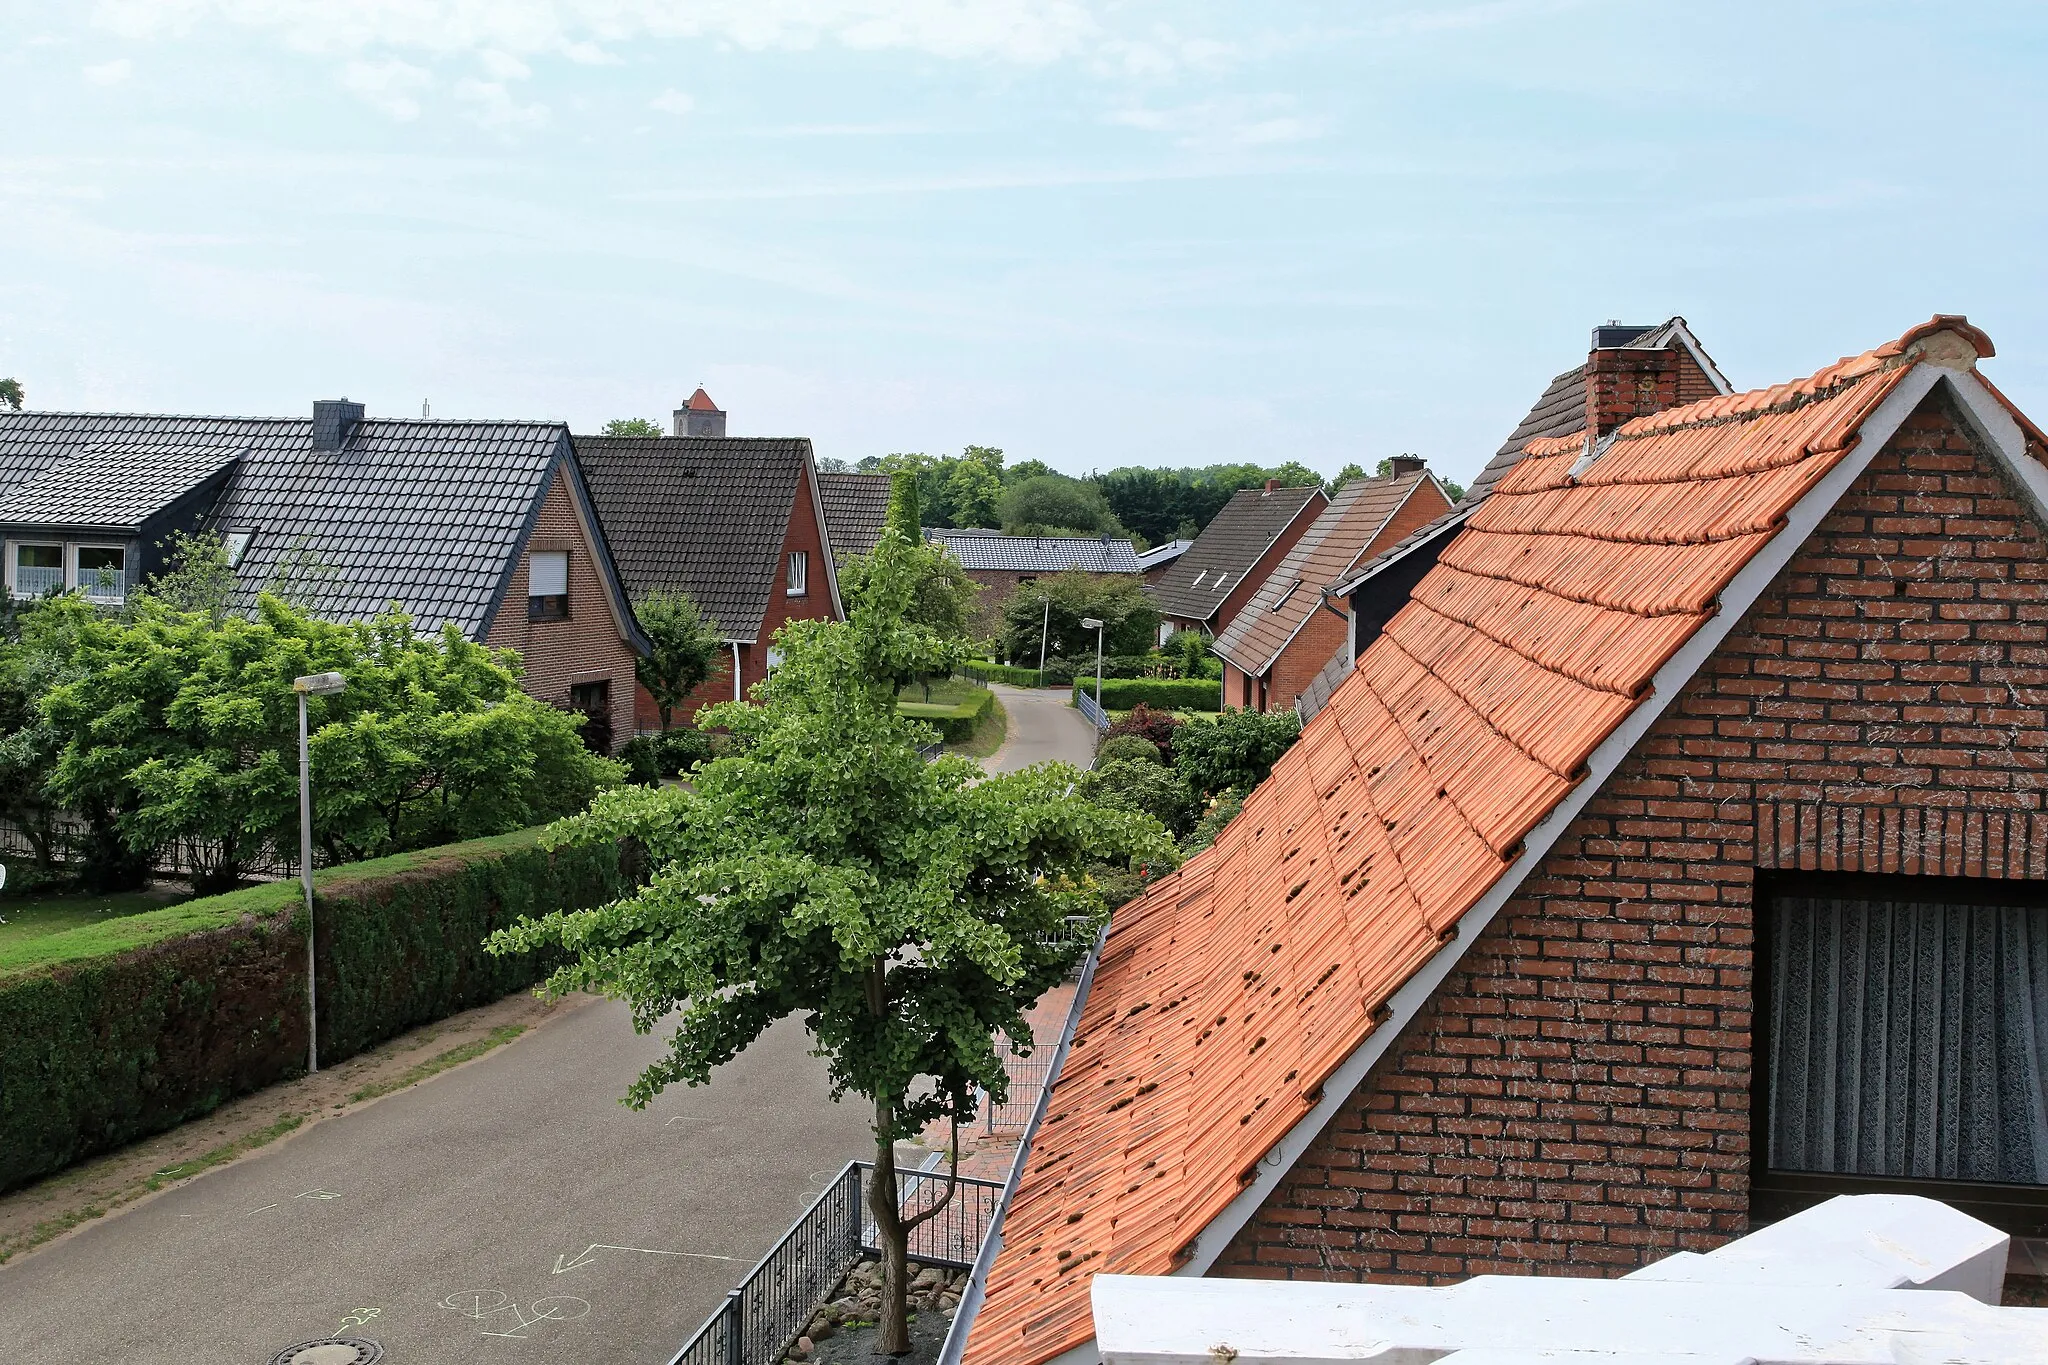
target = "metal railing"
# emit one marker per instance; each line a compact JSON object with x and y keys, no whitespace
{"x":177,"y":858}
{"x":770,"y":1308}
{"x":1090,"y":708}
{"x":1028,"y":1076}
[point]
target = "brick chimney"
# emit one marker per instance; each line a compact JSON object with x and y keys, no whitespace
{"x":1403,"y":465}
{"x":1625,"y":382}
{"x":333,"y":419}
{"x":1272,"y":485}
{"x":700,"y":416}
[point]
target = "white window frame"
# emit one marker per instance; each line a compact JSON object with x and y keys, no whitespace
{"x":14,"y":549}
{"x":236,"y":543}
{"x":798,"y":574}
{"x":534,"y":559}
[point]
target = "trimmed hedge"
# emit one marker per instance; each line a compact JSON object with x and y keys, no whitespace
{"x":984,"y":672}
{"x":1172,"y":694}
{"x":119,"y":1030}
{"x":955,"y":723}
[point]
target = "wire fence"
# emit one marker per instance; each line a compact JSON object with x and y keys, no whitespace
{"x":1028,"y":1076}
{"x":770,"y":1308}
{"x":68,"y":837}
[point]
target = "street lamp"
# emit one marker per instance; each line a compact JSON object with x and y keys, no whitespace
{"x":1090,"y":623}
{"x":312,"y":685}
{"x":1044,"y":631}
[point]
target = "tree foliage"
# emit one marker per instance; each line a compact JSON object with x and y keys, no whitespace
{"x":941,"y":595}
{"x":171,"y":725}
{"x":906,"y":911}
{"x":1054,"y":503}
{"x":631,"y":426}
{"x":1235,"y":751}
{"x":196,"y":576}
{"x":1119,"y":601}
{"x":11,"y":396}
{"x":686,"y":650}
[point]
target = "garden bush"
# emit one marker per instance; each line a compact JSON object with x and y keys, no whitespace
{"x":643,"y":761}
{"x":682,"y":749}
{"x":955,"y":723}
{"x":983,"y":671}
{"x":1145,"y":788}
{"x":1235,"y":751}
{"x":1155,"y":727}
{"x":1174,"y":694}
{"x":113,"y":1031}
{"x":1127,"y":748}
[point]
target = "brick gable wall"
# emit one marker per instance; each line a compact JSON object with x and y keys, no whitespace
{"x":1575,"y":1099}
{"x":587,"y":647}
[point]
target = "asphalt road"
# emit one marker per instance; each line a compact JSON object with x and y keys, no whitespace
{"x":1042,"y":727}
{"x":511,"y":1210}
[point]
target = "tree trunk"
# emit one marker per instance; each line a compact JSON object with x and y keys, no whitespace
{"x":892,"y":1333}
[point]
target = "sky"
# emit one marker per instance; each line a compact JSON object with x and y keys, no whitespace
{"x":1091,"y":232}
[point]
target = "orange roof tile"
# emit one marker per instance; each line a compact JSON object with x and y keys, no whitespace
{"x":1231,"y":990}
{"x":1341,"y":536}
{"x":700,"y":401}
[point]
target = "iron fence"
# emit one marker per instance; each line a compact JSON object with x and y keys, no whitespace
{"x":178,"y":858}
{"x":1028,"y":1076}
{"x":768,"y":1311}
{"x":1089,"y":707}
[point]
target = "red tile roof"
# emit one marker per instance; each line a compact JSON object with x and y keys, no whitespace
{"x":700,"y":401}
{"x":1231,"y":990}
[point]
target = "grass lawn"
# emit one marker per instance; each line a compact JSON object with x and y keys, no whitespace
{"x":945,"y":692}
{"x":36,"y":916}
{"x":989,"y":733}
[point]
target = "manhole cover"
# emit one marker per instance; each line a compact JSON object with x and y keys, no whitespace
{"x":330,"y":1351}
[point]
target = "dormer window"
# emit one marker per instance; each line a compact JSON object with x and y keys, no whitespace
{"x":547,"y":585}
{"x":103,"y":572}
{"x":237,"y":544}
{"x":38,"y":570}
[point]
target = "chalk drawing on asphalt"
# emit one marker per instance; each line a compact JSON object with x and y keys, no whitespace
{"x":491,"y":1306}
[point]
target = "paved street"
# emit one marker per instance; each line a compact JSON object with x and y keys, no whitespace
{"x":511,"y":1210}
{"x":1042,"y":727}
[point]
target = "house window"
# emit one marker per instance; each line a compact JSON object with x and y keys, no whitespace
{"x":547,"y":585}
{"x":103,"y":572}
{"x":1903,"y":1043}
{"x":799,"y":572}
{"x":38,"y":570}
{"x":594,"y":700}
{"x":237,"y":545}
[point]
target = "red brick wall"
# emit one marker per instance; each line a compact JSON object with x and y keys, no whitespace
{"x":1575,"y":1099}
{"x":587,"y":647}
{"x":815,"y":605}
{"x":1325,"y":632}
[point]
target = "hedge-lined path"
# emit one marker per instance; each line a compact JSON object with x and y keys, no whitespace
{"x":1042,"y":726}
{"x":507,"y":1209}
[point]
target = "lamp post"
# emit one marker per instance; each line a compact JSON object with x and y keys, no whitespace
{"x":1090,"y":623}
{"x":1044,"y":631}
{"x":312,"y":685}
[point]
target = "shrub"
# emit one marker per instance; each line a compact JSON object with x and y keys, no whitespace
{"x":682,"y":749}
{"x":1183,"y":694}
{"x":983,"y":671}
{"x":1221,"y":812}
{"x":113,"y":1031}
{"x":1235,"y":751}
{"x":955,"y":723}
{"x":1145,"y":788}
{"x":642,"y":757}
{"x":1128,"y":748}
{"x":1156,"y":728}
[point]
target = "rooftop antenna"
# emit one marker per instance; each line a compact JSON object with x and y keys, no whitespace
{"x":426,"y":408}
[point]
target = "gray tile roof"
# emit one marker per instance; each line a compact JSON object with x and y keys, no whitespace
{"x":112,"y":487}
{"x":427,"y":514}
{"x":704,"y":514}
{"x":1159,"y":556}
{"x":996,"y":552}
{"x":1317,"y":694}
{"x":856,"y":510}
{"x":1228,"y":547}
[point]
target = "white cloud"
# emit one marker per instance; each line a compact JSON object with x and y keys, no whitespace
{"x":503,"y":66}
{"x":672,"y":102}
{"x":387,"y":86}
{"x":1026,"y":31}
{"x":110,"y":73}
{"x":1235,"y":122}
{"x":488,"y":104}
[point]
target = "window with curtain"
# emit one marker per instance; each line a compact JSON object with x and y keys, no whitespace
{"x":799,"y":573}
{"x":1907,"y":1034}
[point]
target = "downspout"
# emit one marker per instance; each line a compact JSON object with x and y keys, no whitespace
{"x":736,"y":672}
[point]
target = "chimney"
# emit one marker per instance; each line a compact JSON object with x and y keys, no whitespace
{"x":700,"y":416}
{"x":1272,"y":485}
{"x":332,"y":419}
{"x":1624,"y":382}
{"x":1404,"y":465}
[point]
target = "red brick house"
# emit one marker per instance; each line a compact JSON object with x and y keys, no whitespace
{"x":1207,"y":586}
{"x":485,"y":525}
{"x":1273,"y":649}
{"x":1675,"y":858}
{"x":735,"y":521}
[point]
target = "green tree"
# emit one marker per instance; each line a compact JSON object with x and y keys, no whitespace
{"x":1353,"y":470}
{"x":687,"y":651}
{"x":1054,"y":502}
{"x":1235,"y":751}
{"x":1143,"y":788}
{"x":1119,"y":601}
{"x":906,"y":911}
{"x":1189,"y":650}
{"x":196,"y":576}
{"x":11,"y":396}
{"x":630,"y":426}
{"x":941,"y":597}
{"x":37,"y":656}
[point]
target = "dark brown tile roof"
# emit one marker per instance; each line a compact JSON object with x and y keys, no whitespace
{"x":703,"y":514}
{"x":856,"y":510}
{"x":1195,"y":586}
{"x":1326,"y":552}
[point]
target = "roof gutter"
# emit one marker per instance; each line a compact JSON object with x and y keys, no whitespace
{"x":2002,"y":435}
{"x":977,"y":1279}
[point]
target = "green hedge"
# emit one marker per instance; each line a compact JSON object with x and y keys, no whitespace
{"x":1173,"y":694}
{"x":985,"y":672}
{"x":115,"y":1031}
{"x":955,"y":723}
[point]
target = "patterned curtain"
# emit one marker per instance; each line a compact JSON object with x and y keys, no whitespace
{"x":1909,"y":1039}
